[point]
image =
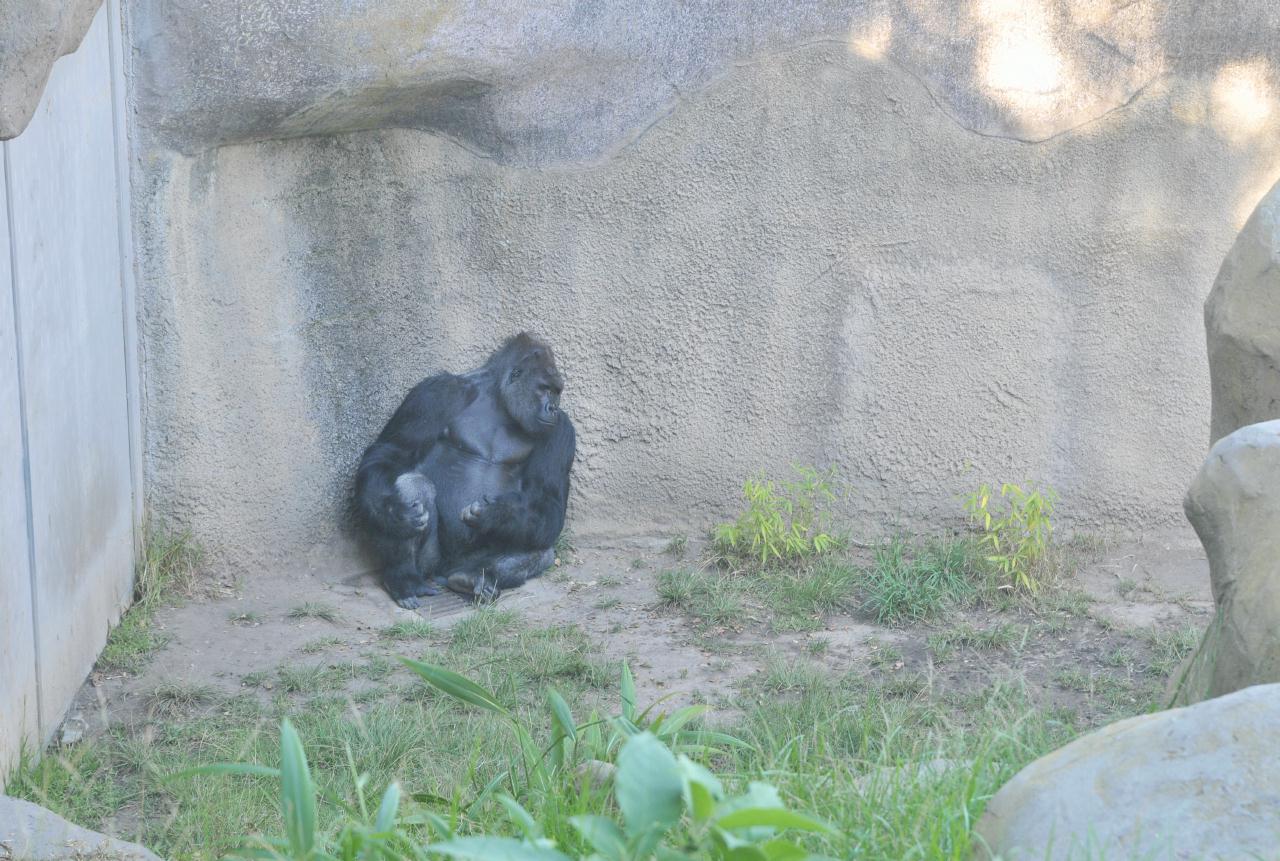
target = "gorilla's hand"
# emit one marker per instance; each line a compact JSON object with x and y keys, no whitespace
{"x":475,"y":514}
{"x":409,"y":509}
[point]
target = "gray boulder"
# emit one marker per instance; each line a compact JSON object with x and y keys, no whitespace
{"x":1200,"y":782}
{"x":34,"y":33}
{"x":28,"y":832}
{"x":1234,"y":505}
{"x":1242,"y":321}
{"x":563,"y":81}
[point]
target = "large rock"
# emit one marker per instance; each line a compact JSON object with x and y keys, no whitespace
{"x":1201,"y":782}
{"x":28,"y":832}
{"x":1242,"y":320}
{"x":1234,"y":505}
{"x":549,"y":82}
{"x":34,"y":33}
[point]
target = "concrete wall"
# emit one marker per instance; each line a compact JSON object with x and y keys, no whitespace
{"x":928,"y":246}
{"x":68,"y":418}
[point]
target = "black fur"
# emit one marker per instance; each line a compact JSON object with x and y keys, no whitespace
{"x":468,"y":482}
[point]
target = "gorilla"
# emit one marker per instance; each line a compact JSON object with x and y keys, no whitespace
{"x":467,"y":484}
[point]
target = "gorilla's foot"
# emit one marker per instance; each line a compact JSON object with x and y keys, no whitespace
{"x":411,"y":602}
{"x":425,"y":588}
{"x":474,"y":585}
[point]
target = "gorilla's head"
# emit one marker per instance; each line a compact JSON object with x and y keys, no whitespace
{"x":528,"y":383}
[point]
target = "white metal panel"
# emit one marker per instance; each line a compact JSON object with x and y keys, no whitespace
{"x":67,"y":261}
{"x":19,"y":716}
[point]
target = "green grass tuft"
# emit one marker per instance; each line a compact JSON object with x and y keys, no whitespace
{"x":166,"y":570}
{"x":407,"y":629}
{"x":909,"y":584}
{"x":315,"y":610}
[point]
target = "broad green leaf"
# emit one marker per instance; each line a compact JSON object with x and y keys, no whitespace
{"x":710,"y":738}
{"x":679,"y":718}
{"x":603,"y":835}
{"x":783,"y":850}
{"x":521,"y":817}
{"x":757,"y":795}
{"x":702,"y":788}
{"x":771,"y":817}
{"x":628,"y":693}
{"x":297,"y":793}
{"x":456,"y":686}
{"x":664,"y":853}
{"x":495,"y":849}
{"x":388,"y":808}
{"x":700,"y":800}
{"x":561,"y":716}
{"x":649,"y":786}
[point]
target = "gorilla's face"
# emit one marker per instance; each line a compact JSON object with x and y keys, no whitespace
{"x":530,"y":392}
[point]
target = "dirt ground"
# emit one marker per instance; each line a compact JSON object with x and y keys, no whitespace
{"x":1097,"y":651}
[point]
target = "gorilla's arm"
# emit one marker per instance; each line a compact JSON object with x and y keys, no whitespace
{"x":414,"y":428}
{"x":532,"y":517}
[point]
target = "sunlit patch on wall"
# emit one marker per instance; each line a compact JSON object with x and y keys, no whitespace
{"x":1019,"y":55}
{"x":1242,"y":100}
{"x":872,"y":40}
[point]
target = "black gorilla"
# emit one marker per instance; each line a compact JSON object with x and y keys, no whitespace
{"x":467,"y":484}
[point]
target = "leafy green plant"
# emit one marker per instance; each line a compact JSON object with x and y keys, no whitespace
{"x":784,"y":520}
{"x":669,"y":806}
{"x":1016,"y":540}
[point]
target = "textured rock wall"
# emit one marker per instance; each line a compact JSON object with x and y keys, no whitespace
{"x":931,"y":243}
{"x":33,"y":34}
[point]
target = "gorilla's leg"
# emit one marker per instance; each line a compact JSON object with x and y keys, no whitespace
{"x":484,"y":578}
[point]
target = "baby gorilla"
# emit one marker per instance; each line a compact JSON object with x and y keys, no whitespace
{"x":408,"y":541}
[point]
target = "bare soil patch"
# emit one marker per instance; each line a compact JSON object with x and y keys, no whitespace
{"x":1106,"y":645}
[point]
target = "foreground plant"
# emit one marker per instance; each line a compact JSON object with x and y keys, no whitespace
{"x":660,"y":803}
{"x":784,"y":520}
{"x":1016,"y":540}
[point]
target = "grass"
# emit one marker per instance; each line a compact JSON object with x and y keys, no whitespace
{"x":840,"y":744}
{"x":914,"y":584}
{"x":407,"y":629}
{"x":166,"y":570}
{"x":1170,"y":648}
{"x":1005,"y":636}
{"x":791,"y":597}
{"x":564,"y":546}
{"x":714,"y":598}
{"x":1114,"y":695}
{"x":175,"y":698}
{"x":323,"y":644}
{"x":315,"y":610}
{"x":817,"y":735}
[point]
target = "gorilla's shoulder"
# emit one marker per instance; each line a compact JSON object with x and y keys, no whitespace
{"x":453,"y":388}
